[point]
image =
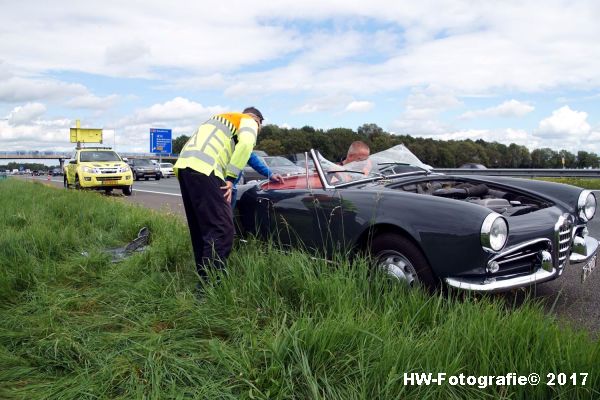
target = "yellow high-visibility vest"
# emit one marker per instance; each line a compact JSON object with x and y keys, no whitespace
{"x":222,"y":144}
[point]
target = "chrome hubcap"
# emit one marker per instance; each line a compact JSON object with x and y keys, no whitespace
{"x":397,"y":266}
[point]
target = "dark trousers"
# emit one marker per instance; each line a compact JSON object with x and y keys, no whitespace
{"x":209,"y":219}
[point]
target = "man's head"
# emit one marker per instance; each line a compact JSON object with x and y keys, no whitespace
{"x":254,"y":113}
{"x":358,"y":151}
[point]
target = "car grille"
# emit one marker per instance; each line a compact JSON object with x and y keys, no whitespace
{"x":525,"y":260}
{"x":108,"y":170}
{"x":107,"y":178}
{"x":564,"y":240}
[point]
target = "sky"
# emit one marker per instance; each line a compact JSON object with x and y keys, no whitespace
{"x":525,"y":72}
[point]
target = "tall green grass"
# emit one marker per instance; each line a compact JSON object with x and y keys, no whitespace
{"x":280,"y":325}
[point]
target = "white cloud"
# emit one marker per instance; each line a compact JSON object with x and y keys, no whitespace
{"x":178,"y":109}
{"x":23,"y":115}
{"x":16,"y":90}
{"x":360,"y":106}
{"x":34,"y":89}
{"x":422,"y":109}
{"x":469,"y":47}
{"x":38,"y":135}
{"x":181,"y":115}
{"x":126,"y":52}
{"x":93,"y":102}
{"x":564,"y":122}
{"x":510,"y":108}
{"x":334,"y":102}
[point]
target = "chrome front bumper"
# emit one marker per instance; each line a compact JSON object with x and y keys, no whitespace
{"x":583,"y":250}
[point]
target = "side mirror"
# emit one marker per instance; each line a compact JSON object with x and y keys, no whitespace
{"x":73,"y":162}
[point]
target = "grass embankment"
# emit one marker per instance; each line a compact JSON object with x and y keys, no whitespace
{"x":76,"y":326}
{"x":587,"y":183}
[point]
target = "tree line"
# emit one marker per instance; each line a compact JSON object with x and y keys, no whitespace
{"x":333,"y":145}
{"x":26,"y":165}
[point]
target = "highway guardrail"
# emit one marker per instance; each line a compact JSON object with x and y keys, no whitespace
{"x":523,"y":172}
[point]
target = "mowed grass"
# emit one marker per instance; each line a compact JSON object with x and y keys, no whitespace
{"x":587,"y":183}
{"x":73,"y":325}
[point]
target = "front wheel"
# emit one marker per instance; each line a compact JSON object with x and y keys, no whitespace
{"x":398,"y":258}
{"x":77,"y":183}
{"x":157,"y":178}
{"x":65,"y":182}
{"x":128,"y":190}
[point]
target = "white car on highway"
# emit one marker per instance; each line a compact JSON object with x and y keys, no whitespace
{"x":166,"y":170}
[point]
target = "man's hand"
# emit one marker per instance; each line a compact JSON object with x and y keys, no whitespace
{"x":227,"y":189}
{"x":277,"y":178}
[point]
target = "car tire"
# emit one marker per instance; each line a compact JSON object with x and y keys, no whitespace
{"x":66,"y":182}
{"x":108,"y":191}
{"x":157,"y":178}
{"x":135,"y":176}
{"x":128,"y":190}
{"x":401,"y":259}
{"x":77,"y":183}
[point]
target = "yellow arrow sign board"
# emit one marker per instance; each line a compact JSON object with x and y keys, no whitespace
{"x":85,"y":135}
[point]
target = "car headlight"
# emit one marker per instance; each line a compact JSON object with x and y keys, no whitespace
{"x":494,"y":232}
{"x":123,"y":169}
{"x":586,"y":205}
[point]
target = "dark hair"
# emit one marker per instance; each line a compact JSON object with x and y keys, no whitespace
{"x":254,"y":110}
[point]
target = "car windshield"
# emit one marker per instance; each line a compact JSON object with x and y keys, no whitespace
{"x":339,"y":174}
{"x":278,"y":162}
{"x":398,"y":159}
{"x":166,"y":165}
{"x":393,"y":161}
{"x":143,"y":162}
{"x":97,"y":156}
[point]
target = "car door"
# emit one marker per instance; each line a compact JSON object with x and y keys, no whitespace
{"x":301,"y":216}
{"x":287,"y":216}
{"x":71,"y":168}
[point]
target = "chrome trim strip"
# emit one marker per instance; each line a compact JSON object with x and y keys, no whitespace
{"x":563,"y":246}
{"x":308,"y":186}
{"x":326,"y":185}
{"x":499,"y":284}
{"x":514,"y":249}
{"x":520,"y":257}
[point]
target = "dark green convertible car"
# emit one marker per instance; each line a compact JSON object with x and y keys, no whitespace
{"x":476,"y":233}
